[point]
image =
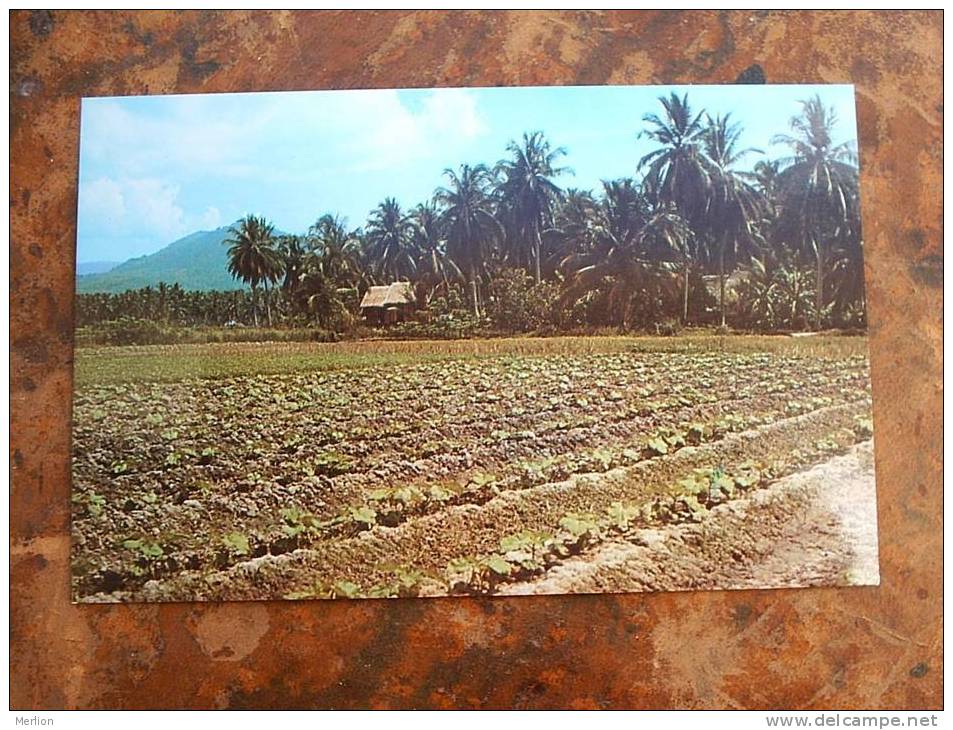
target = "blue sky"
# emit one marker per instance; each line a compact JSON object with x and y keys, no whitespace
{"x":155,"y":168}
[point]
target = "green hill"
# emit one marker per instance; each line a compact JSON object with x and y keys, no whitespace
{"x":195,"y":262}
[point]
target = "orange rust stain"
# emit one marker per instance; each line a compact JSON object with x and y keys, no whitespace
{"x":851,"y":648}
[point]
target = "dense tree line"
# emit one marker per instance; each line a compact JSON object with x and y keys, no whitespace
{"x":696,"y":235}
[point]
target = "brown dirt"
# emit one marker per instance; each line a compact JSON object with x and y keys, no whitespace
{"x":816,"y":527}
{"x":429,"y":543}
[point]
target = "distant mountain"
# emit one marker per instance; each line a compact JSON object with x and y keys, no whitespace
{"x":95,"y":267}
{"x":197,"y":262}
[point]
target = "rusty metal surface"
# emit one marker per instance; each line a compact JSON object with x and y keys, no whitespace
{"x":816,"y":648}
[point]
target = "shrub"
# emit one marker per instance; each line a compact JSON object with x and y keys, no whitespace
{"x":516,"y":304}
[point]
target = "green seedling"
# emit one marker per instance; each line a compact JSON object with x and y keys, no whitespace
{"x":621,"y":515}
{"x":528,"y":549}
{"x":236,"y":543}
{"x":476,"y":575}
{"x":579,"y":530}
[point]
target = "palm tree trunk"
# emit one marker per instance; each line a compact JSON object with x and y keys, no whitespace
{"x":537,"y":252}
{"x":721,"y":282}
{"x":819,"y":305}
{"x":268,"y":302}
{"x":685,"y":301}
{"x":797,"y":295}
{"x":254,"y":303}
{"x":473,"y":293}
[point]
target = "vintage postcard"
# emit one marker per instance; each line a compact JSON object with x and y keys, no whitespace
{"x":414,"y":343}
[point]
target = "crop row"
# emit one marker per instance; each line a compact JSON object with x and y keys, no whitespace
{"x":428,"y":545}
{"x":153,"y":558}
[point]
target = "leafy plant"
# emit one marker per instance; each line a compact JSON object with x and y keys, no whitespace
{"x":94,"y":503}
{"x":697,"y":433}
{"x":481,"y":480}
{"x":407,"y":583}
{"x":528,"y":549}
{"x":864,"y":427}
{"x":339,"y":589}
{"x":476,"y":575}
{"x":148,"y":552}
{"x":440,"y":494}
{"x":145,"y":548}
{"x":621,"y":515}
{"x":363,"y":517}
{"x":690,"y":505}
{"x":332,"y":463}
{"x":236,"y":543}
{"x":579,"y":529}
{"x":297,"y":522}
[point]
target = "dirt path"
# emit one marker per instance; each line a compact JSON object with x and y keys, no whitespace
{"x":817,"y":527}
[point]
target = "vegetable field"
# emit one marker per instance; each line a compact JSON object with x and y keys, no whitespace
{"x":481,"y":467}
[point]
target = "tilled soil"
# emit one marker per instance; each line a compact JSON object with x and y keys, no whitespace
{"x":431,"y":542}
{"x":258,"y":487}
{"x":814,"y":528}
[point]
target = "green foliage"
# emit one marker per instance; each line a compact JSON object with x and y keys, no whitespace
{"x":528,"y":549}
{"x":505,"y":246}
{"x":407,"y":583}
{"x":236,"y":543}
{"x":622,"y":515}
{"x":516,"y":304}
{"x":332,"y":463}
{"x":864,"y":427}
{"x":133,"y":331}
{"x":483,"y":481}
{"x":579,"y":529}
{"x":92,"y":502}
{"x":476,"y":575}
{"x":298,"y":523}
{"x":148,"y":553}
{"x":197,"y":262}
{"x":338,"y":589}
{"x":698,"y":433}
{"x":363,"y":517}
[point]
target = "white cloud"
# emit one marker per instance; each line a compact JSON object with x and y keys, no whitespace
{"x":210,"y":219}
{"x":102,"y":200}
{"x":453,"y":111}
{"x":139,"y":154}
{"x":146,"y":211}
{"x":189,"y":133}
{"x":244,"y":135}
{"x":388,"y":133}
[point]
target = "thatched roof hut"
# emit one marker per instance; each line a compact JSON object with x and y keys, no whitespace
{"x":732,"y":281}
{"x":389,"y":304}
{"x":396,"y":294}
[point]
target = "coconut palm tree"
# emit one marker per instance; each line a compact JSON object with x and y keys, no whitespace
{"x":391,"y":244}
{"x":573,"y":229}
{"x":336,"y":251}
{"x":678,"y":173}
{"x":765,"y":176}
{"x":735,"y":206}
{"x":293,"y":251}
{"x":252,"y":257}
{"x":529,"y":195}
{"x":818,"y":192}
{"x":434,"y":267}
{"x":320,"y":298}
{"x":622,"y":212}
{"x":633,"y":248}
{"x":471,"y":228}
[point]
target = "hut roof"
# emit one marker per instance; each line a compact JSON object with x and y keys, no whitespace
{"x":400,"y":292}
{"x":732,"y":281}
